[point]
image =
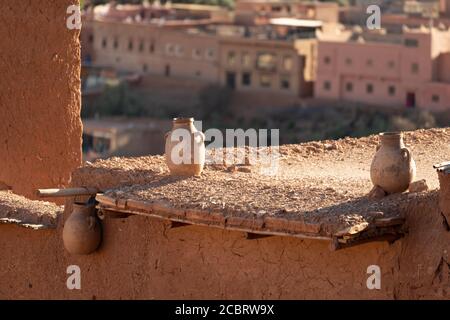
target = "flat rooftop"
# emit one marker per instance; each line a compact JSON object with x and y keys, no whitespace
{"x":320,"y":190}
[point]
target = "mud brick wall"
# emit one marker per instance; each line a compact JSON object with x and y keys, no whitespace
{"x":141,"y":258}
{"x":40,"y":126}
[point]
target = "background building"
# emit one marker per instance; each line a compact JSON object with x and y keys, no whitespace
{"x":410,"y":69}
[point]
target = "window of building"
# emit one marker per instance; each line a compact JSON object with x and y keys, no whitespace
{"x":276,"y":8}
{"x":130,"y":45}
{"x":327,"y":85}
{"x":411,"y":43}
{"x":348,"y":61}
{"x":369,"y":62}
{"x":435,"y":98}
{"x":265,"y":80}
{"x":415,"y":68}
{"x":231,"y":58}
{"x":266,"y":61}
{"x":311,"y":13}
{"x":246,"y":79}
{"x":369,"y":88}
{"x":104,"y":42}
{"x":391,"y":64}
{"x":210,"y":54}
{"x":179,"y":51}
{"x":349,"y":86}
{"x":246,"y":60}
{"x":145,"y":68}
{"x":285,"y":83}
{"x":169,"y":49}
{"x":391,"y":90}
{"x":196,"y":53}
{"x":152,"y":47}
{"x":287,"y":63}
{"x":141,"y":46}
{"x":91,"y":38}
{"x":167,"y":70}
{"x":327,"y":60}
{"x":116,"y":43}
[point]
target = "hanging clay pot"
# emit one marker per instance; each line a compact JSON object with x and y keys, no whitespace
{"x":393,"y":168}
{"x":82,"y":230}
{"x":185,"y":148}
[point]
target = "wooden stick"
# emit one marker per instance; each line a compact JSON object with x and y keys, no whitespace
{"x":70,"y":192}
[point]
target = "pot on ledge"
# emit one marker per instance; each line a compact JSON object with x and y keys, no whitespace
{"x":82,"y":230}
{"x":185,"y":148}
{"x":393,"y":168}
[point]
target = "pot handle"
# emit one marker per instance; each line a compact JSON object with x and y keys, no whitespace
{"x":406,"y":154}
{"x":91,"y":222}
{"x":201,"y":134}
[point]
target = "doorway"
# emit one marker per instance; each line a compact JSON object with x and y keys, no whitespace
{"x":231,"y":80}
{"x":167,"y":70}
{"x":410,"y":99}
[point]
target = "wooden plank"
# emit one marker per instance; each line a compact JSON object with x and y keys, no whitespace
{"x":264,"y":232}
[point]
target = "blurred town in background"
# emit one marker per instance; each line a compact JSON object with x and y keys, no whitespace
{"x":314,"y":70}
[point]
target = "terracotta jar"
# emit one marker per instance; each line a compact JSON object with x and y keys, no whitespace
{"x":82,"y":230}
{"x":185,"y":148}
{"x":393,"y":168}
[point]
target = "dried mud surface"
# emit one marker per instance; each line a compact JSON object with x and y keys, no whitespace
{"x":22,"y":211}
{"x":324,"y":184}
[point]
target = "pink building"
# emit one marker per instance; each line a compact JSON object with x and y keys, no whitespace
{"x":411,"y":69}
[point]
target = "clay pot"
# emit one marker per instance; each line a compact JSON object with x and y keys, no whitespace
{"x":393,"y":168}
{"x":82,"y":230}
{"x":185,"y":148}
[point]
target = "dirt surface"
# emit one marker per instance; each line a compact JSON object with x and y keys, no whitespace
{"x":322,"y":184}
{"x":40,"y":99}
{"x":22,"y":211}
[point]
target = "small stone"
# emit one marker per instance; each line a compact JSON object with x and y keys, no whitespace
{"x":377,"y":193}
{"x":330,"y":146}
{"x":418,"y":186}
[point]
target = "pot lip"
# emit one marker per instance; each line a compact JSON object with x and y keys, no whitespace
{"x":183,"y":120}
{"x":391,"y":134}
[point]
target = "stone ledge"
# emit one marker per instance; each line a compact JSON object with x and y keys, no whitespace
{"x":15,"y":209}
